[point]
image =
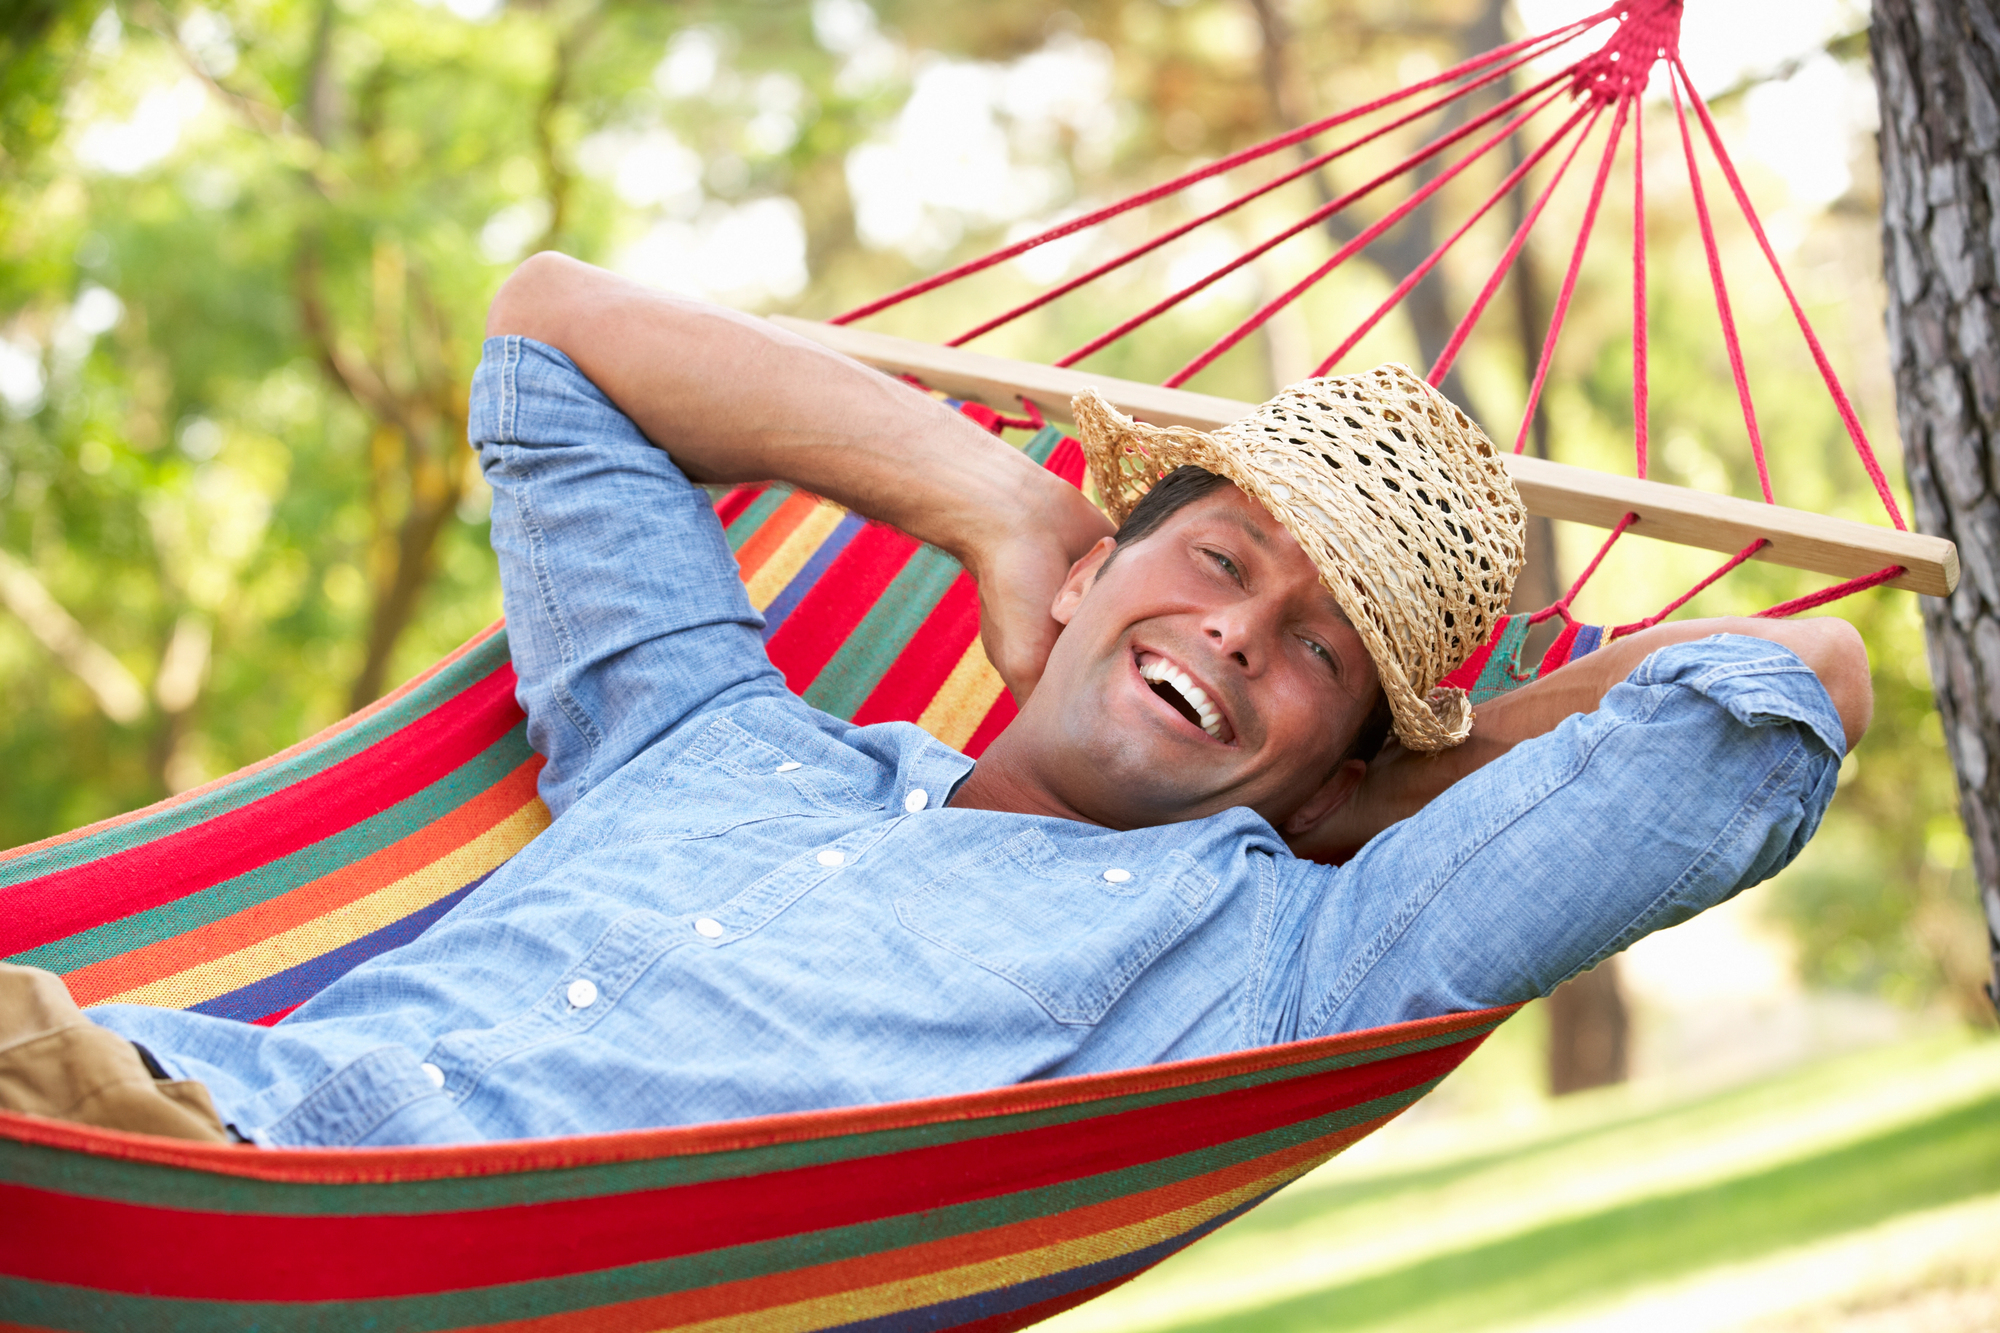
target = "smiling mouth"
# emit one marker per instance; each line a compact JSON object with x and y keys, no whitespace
{"x":1183,"y":695}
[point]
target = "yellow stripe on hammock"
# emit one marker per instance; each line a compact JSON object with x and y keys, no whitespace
{"x":964,"y":699}
{"x":792,"y":554}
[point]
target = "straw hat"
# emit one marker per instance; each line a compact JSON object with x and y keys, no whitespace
{"x":1393,"y":493}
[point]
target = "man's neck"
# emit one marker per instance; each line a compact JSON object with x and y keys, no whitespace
{"x":998,"y":782}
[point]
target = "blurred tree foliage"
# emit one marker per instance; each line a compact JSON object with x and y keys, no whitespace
{"x":246,"y":246}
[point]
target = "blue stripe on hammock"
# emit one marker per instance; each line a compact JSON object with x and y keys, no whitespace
{"x":803,"y":582}
{"x":295,"y":985}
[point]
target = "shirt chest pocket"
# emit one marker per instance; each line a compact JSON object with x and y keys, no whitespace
{"x":1062,"y":931}
{"x":728,"y":777}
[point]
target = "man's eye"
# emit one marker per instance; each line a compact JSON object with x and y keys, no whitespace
{"x":1227,"y":565}
{"x":1332,"y":664}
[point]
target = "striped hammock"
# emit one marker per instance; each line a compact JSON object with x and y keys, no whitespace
{"x":243,"y":898}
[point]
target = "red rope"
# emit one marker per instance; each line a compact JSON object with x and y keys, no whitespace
{"x":1033,"y":420}
{"x":1641,"y":391}
{"x":1500,"y":270}
{"x":1286,"y":178}
{"x":1833,"y":594}
{"x":1848,"y":416}
{"x":1545,"y":41}
{"x":1690,"y":594}
{"x":1722,"y":310}
{"x":1416,"y":274}
{"x":1648,"y":30}
{"x":1369,"y":233}
{"x":1560,"y":607}
{"x":1575,"y":267}
{"x":1319,"y":215}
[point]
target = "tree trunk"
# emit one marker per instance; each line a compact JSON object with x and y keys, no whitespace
{"x":1937,"y":74}
{"x":1589,"y":1031}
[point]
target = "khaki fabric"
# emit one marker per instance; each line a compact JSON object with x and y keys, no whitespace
{"x":55,"y":1062}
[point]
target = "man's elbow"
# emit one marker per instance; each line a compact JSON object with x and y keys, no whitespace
{"x":1835,"y":651}
{"x":537,"y":297}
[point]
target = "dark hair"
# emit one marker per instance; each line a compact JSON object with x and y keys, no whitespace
{"x":1181,"y":488}
{"x":1177,"y":490}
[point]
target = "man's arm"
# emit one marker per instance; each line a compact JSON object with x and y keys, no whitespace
{"x":732,"y":398}
{"x":1401,"y":782}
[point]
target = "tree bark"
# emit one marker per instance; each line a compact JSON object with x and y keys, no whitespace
{"x":1937,"y":75}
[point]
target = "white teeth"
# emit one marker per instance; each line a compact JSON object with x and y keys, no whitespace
{"x":1159,"y":669}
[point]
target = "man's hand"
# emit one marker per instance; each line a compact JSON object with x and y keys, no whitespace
{"x":734,"y":399}
{"x":1399,"y":782}
{"x":1019,"y":572}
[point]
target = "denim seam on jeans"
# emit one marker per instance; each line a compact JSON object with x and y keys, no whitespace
{"x":509,"y":400}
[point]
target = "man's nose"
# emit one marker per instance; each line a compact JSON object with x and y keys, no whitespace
{"x":1239,"y":631}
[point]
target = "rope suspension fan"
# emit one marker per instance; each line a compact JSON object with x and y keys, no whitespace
{"x":990,"y":1210}
{"x":1602,"y":86}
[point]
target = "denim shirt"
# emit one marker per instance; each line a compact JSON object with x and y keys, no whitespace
{"x":745,"y":906}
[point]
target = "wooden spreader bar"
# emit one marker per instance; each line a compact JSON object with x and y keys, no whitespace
{"x":1799,"y":540}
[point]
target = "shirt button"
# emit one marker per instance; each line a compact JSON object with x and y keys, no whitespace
{"x":832,"y":856}
{"x":916,"y":800}
{"x":1115,"y":876}
{"x":789,"y":765}
{"x":582,"y":993}
{"x":708,"y":928}
{"x":433,"y":1073}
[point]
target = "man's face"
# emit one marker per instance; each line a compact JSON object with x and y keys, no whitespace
{"x":1203,"y":668}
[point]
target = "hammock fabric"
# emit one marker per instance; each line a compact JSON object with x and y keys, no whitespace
{"x":986,"y":1211}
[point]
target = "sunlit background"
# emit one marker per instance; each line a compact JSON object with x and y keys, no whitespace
{"x":245,"y":250}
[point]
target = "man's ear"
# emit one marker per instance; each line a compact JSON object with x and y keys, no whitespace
{"x":1332,"y":794}
{"x":1081,"y":575}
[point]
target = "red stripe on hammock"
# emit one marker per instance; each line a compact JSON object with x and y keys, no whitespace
{"x":107,"y":1246}
{"x":731,"y":506}
{"x":40,"y":911}
{"x":917,"y":674}
{"x":845,"y":594}
{"x":925,"y":1260}
{"x":1066,"y":461}
{"x":1557,"y":656}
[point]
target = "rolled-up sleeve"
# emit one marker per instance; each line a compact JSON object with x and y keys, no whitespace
{"x":625,"y":614}
{"x":1703,"y":773}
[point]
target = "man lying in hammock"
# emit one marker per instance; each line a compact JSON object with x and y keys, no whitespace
{"x":745,"y":906}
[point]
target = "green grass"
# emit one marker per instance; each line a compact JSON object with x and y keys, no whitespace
{"x":1943,"y":1160}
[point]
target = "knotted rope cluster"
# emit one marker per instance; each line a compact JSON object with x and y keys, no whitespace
{"x":1396,"y":497}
